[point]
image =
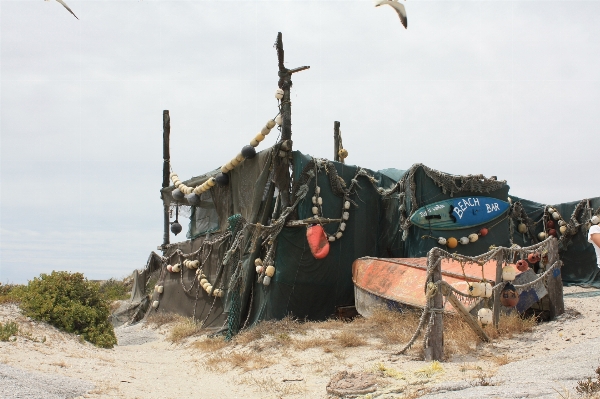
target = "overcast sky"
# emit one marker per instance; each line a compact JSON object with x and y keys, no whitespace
{"x":504,"y":88}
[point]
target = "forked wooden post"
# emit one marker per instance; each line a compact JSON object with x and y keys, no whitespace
{"x":554,"y":282}
{"x":499,"y":263}
{"x":435,"y":343}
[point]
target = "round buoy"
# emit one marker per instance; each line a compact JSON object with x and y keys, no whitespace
{"x":533,"y":258}
{"x":484,"y":316}
{"x":522,"y":228}
{"x":542,"y":236}
{"x":550,"y":224}
{"x":509,"y":296}
{"x":442,"y":241}
{"x":193,"y":199}
{"x":508,"y":273}
{"x":177,"y":195}
{"x":552,"y":232}
{"x":522,"y":265}
{"x":451,"y":242}
{"x":483,"y":232}
{"x":464,"y":240}
{"x":595,"y":219}
{"x":563,"y":229}
{"x":176,"y":227}
{"x":248,"y":152}
{"x":222,"y":179}
{"x":473,"y":237}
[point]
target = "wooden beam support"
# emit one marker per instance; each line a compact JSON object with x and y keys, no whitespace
{"x":554,"y":282}
{"x":499,"y":263}
{"x":435,"y":342}
{"x":311,"y":220}
{"x":464,"y":312}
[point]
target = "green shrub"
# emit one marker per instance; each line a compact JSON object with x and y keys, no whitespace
{"x":71,"y":303}
{"x":114,"y":290}
{"x":9,"y":293}
{"x":8,"y":330}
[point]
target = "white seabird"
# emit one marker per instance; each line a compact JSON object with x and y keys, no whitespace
{"x":67,"y":7}
{"x":400,"y":10}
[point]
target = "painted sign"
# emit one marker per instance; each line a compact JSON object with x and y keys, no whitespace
{"x":459,"y":213}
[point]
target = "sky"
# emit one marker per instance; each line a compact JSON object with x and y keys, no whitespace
{"x":503,"y":88}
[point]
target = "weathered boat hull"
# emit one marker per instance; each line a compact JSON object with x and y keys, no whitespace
{"x":399,"y":283}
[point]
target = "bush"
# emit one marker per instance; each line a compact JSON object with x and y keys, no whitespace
{"x":71,"y":303}
{"x":8,"y":330}
{"x":114,"y":290}
{"x":9,"y":293}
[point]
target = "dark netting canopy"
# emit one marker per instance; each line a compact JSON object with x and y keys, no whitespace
{"x":234,"y":225}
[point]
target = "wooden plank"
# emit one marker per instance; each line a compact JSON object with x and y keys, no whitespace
{"x":464,"y":312}
{"x":435,"y":343}
{"x":311,"y":220}
{"x":554,"y":282}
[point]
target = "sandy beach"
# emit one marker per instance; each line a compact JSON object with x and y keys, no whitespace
{"x":546,"y":363}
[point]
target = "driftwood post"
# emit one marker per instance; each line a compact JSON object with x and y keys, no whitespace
{"x":554,"y":282}
{"x":282,"y":175}
{"x":336,"y":141}
{"x":499,"y":263}
{"x":435,"y":342}
{"x":166,"y":172}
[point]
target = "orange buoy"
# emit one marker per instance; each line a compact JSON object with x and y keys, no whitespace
{"x":317,"y":241}
{"x":522,"y":265}
{"x":451,"y":242}
{"x":483,"y":232}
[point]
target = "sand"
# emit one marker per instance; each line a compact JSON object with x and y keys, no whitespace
{"x":545,"y":363}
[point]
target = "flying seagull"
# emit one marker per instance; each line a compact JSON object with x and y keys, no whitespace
{"x":396,"y":6}
{"x":67,"y":7}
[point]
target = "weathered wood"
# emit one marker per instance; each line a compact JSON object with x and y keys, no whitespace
{"x":282,"y":164}
{"x":499,"y":262}
{"x":311,"y":220}
{"x":336,"y":141}
{"x":464,"y":312}
{"x":554,"y":282}
{"x":166,"y":172}
{"x":435,"y":343}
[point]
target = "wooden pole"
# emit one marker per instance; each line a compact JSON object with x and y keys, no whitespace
{"x":499,"y":263}
{"x":282,"y":173}
{"x":435,"y":343}
{"x":285,"y":83}
{"x":555,"y":285}
{"x":166,"y":172}
{"x":336,"y":141}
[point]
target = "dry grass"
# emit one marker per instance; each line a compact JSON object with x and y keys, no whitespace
{"x":183,"y":329}
{"x":511,"y":324}
{"x":349,"y":339}
{"x":459,"y":338}
{"x":158,"y":319}
{"x":501,"y":360}
{"x":60,"y":364}
{"x":279,"y":329}
{"x":245,"y":360}
{"x":270,"y":385}
{"x":314,"y":342}
{"x":210,"y":344}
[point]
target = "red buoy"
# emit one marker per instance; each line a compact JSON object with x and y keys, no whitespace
{"x":552,"y":232}
{"x":522,"y":265}
{"x":550,"y":224}
{"x":533,"y":258}
{"x":483,"y":232}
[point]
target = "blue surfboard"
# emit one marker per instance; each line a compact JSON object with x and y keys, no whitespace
{"x":459,"y":213}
